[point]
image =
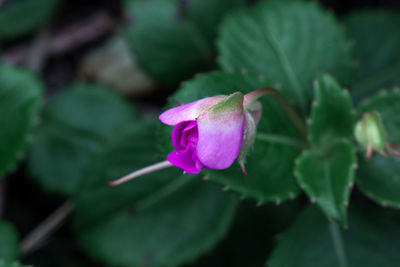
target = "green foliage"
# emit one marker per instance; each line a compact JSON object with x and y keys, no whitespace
{"x":20,"y":99}
{"x":76,"y":124}
{"x":89,"y":136}
{"x":271,"y":162}
{"x":12,"y":264}
{"x":173,"y":40}
{"x":328,"y":177}
{"x":376,"y":34}
{"x":23,"y":16}
{"x":162,"y":219}
{"x":332,"y":114}
{"x":372,"y":240}
{"x":289,"y":43}
{"x":9,"y":247}
{"x":379,"y":177}
{"x":326,"y":171}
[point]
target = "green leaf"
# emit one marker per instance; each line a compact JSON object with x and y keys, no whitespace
{"x":9,"y":246}
{"x":332,"y":114}
{"x":174,"y":40}
{"x":207,"y":14}
{"x":161,"y":219}
{"x":12,"y":264}
{"x":326,"y":170}
{"x":379,"y":178}
{"x":376,"y":34}
{"x":271,"y":162}
{"x":288,"y":42}
{"x":23,"y":16}
{"x":328,"y":177}
{"x":372,"y":240}
{"x":76,"y":124}
{"x":20,"y":100}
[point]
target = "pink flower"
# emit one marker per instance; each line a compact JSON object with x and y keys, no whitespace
{"x":213,"y":132}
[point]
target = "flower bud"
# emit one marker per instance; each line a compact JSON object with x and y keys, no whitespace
{"x":370,"y":133}
{"x":212,"y":132}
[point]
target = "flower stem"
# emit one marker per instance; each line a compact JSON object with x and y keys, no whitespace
{"x":146,"y":170}
{"x":33,"y":240}
{"x":338,"y":244}
{"x":297,"y":121}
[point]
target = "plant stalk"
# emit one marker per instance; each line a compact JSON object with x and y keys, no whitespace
{"x":34,"y":239}
{"x":338,"y":244}
{"x":146,"y":170}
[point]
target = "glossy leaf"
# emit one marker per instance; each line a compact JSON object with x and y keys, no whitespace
{"x":20,"y":100}
{"x":9,"y":247}
{"x":270,"y":162}
{"x":161,"y":219}
{"x":372,"y":240}
{"x":76,"y":124}
{"x":23,"y":16}
{"x":172,"y":40}
{"x":379,"y":178}
{"x":376,"y":36}
{"x":332,"y":114}
{"x":328,"y":177}
{"x":289,"y":42}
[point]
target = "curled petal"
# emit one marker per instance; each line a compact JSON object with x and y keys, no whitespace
{"x":185,"y":161}
{"x":189,"y":112}
{"x":221,"y":133}
{"x":180,"y":133}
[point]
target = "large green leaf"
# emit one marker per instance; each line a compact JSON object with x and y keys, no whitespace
{"x":379,"y":178}
{"x":328,"y":177}
{"x":161,"y":219}
{"x":76,"y":124}
{"x":20,"y":17}
{"x":372,"y":240}
{"x":9,"y":247}
{"x":332,"y":114}
{"x":377,"y":40}
{"x":172,"y":40}
{"x":270,"y":164}
{"x":289,"y":42}
{"x":20,"y":100}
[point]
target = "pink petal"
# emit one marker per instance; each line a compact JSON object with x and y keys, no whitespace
{"x":181,"y":133}
{"x":185,"y":161}
{"x":188,"y":112}
{"x":221,"y":133}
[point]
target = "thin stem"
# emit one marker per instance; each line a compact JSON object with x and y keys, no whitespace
{"x":146,"y":170}
{"x":338,"y":244}
{"x":297,"y":121}
{"x":32,"y":241}
{"x":38,"y":51}
{"x":279,"y":139}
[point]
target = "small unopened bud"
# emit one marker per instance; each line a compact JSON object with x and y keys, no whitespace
{"x":370,"y":133}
